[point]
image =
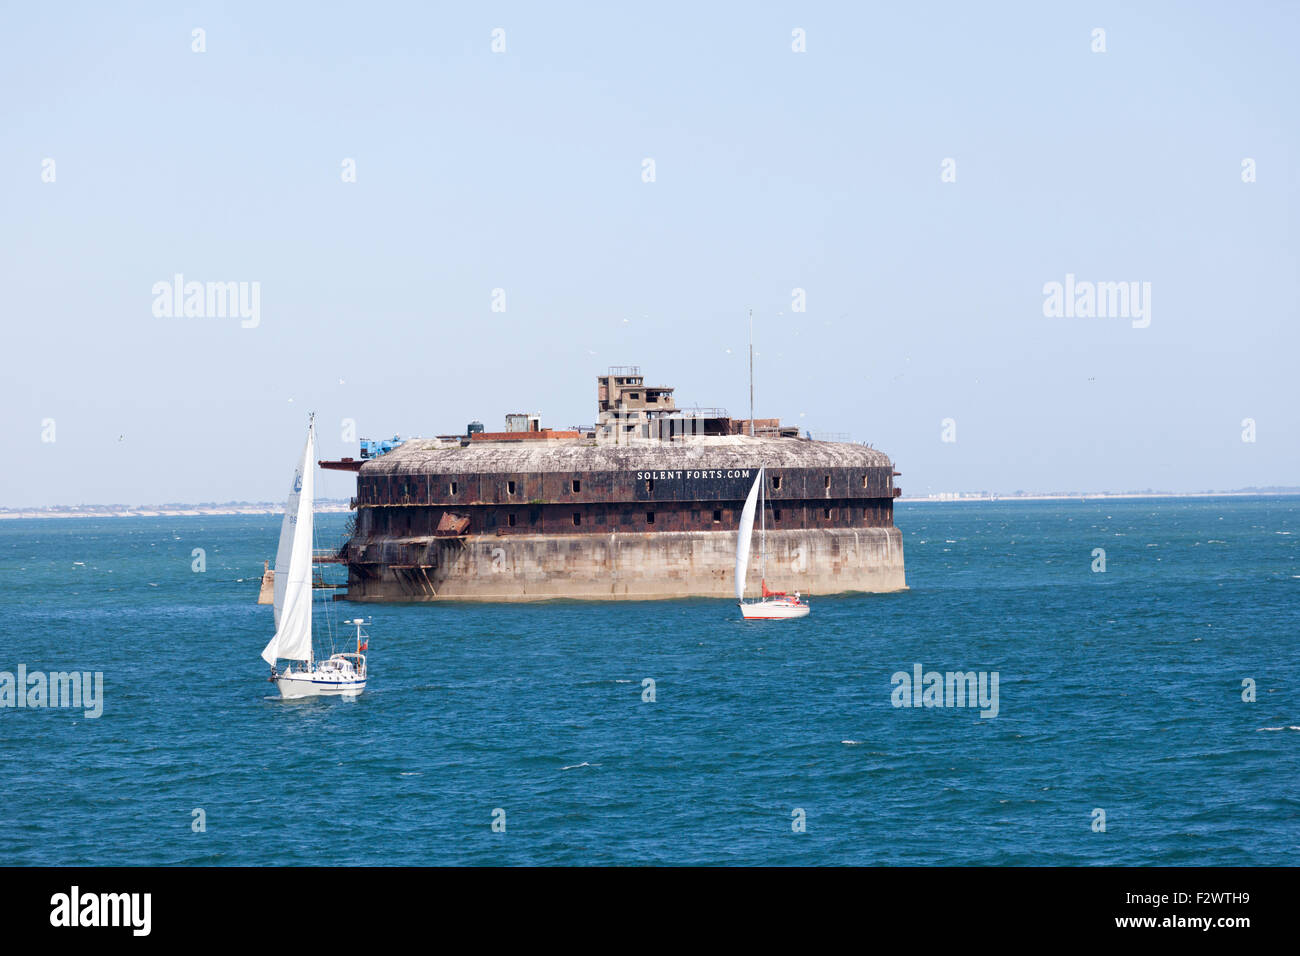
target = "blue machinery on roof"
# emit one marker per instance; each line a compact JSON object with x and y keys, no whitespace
{"x":373,"y":449}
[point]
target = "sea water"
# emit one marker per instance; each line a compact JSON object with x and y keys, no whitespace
{"x":672,"y":732}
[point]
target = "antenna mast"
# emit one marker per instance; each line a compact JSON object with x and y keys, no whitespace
{"x":751,"y":373}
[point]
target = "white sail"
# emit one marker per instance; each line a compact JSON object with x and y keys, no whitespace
{"x":293,"y":565}
{"x":744,"y":535}
{"x":280,"y":580}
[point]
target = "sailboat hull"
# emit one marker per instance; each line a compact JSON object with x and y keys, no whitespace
{"x":777,"y":610}
{"x":313,"y":685}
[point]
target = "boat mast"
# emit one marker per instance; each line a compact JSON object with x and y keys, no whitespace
{"x":311,"y":566}
{"x":762,"y":529}
{"x":762,"y":480}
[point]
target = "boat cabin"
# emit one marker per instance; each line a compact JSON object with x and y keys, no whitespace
{"x":345,"y":664}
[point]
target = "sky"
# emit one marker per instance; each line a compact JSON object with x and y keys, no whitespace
{"x":892,"y":201}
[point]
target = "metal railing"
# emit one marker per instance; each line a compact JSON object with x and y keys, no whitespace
{"x":696,"y":411}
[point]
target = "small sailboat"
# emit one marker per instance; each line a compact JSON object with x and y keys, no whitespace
{"x":340,"y":674}
{"x":773,"y":605}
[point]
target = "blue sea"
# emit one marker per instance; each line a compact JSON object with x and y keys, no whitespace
{"x":1120,"y":691}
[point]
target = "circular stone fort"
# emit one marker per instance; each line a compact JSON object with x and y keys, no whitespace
{"x":643,"y":505}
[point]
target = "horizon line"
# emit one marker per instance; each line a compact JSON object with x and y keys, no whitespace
{"x":339,"y":505}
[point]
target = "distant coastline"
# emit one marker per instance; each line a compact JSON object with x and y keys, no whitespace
{"x":1101,"y":495}
{"x":323,"y":506}
{"x":341,"y":505}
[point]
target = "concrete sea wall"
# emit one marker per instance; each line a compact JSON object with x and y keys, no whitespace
{"x":621,"y":565}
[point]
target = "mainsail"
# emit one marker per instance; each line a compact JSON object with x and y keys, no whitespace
{"x":293,"y":566}
{"x":744,"y":534}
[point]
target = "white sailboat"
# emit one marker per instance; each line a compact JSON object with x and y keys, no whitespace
{"x":773,"y":605}
{"x":340,"y":674}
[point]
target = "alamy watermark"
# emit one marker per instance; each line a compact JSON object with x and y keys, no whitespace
{"x":1098,"y":300}
{"x":208,"y":300}
{"x":922,"y":688}
{"x":75,"y":908}
{"x":84,"y":689}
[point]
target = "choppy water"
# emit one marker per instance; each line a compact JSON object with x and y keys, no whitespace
{"x":1119,"y":690}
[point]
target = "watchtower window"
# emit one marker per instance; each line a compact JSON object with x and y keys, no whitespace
{"x":510,"y":520}
{"x":864,"y":481}
{"x":649,"y":484}
{"x":649,"y":517}
{"x":717,"y":515}
{"x":453,"y":487}
{"x":776,"y":514}
{"x":776,"y":482}
{"x":828,"y":481}
{"x":510,"y":487}
{"x":826,"y":512}
{"x":577,"y":485}
{"x":577,"y":518}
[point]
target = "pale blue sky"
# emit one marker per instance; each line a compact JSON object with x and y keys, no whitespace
{"x":775,"y":170}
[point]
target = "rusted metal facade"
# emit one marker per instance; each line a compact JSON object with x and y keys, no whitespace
{"x":428,"y":516}
{"x":595,"y":502}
